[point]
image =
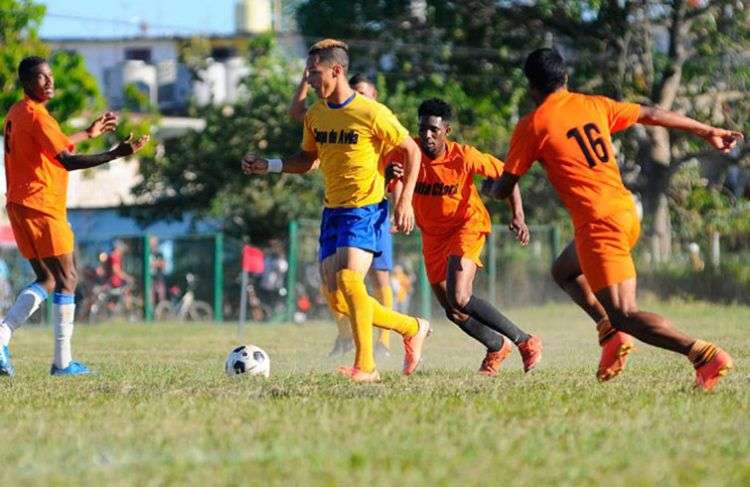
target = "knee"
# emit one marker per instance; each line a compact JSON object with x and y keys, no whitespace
{"x":621,"y":312}
{"x":68,"y":279}
{"x":459,"y":299}
{"x":48,"y":283}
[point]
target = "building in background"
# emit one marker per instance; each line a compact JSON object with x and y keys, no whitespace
{"x":152,"y":64}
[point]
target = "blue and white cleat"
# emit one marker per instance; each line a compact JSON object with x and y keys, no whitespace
{"x":6,"y":367}
{"x":74,"y":368}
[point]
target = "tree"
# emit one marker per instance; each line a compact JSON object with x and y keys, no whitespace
{"x":76,"y":88}
{"x":19,"y":27}
{"x":200,"y":171}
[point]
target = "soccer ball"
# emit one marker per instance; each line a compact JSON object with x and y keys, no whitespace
{"x":248,"y":359}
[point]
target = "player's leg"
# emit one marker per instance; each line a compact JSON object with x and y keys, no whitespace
{"x":616,"y":345}
{"x":619,"y":300}
{"x":25,"y":305}
{"x":567,"y":273}
{"x":63,"y":269}
{"x":498,"y":348}
{"x":384,"y":294}
{"x":460,"y":283}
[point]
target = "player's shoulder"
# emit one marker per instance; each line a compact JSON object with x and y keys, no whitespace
{"x":22,"y":110}
{"x":315,"y":109}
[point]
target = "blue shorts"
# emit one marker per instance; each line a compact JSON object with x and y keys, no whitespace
{"x":352,"y":227}
{"x":384,"y":261}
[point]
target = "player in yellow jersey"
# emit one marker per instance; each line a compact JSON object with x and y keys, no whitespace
{"x":347,"y":132}
{"x":382,"y":264}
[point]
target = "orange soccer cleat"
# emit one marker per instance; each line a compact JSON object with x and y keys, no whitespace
{"x":356,"y":375}
{"x":615,"y":350}
{"x":492,"y":361}
{"x":413,"y":347}
{"x":715,"y":367}
{"x":531,"y":352}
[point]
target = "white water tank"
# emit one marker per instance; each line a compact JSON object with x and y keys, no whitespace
{"x":135,"y":72}
{"x":211,"y":88}
{"x":236,"y":70}
{"x":253,"y":16}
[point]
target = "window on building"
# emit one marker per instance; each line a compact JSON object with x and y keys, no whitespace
{"x":138,"y":54}
{"x":221,"y":53}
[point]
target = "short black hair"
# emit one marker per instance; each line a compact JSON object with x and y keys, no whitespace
{"x":331,"y":51}
{"x":545,"y":69}
{"x":27,"y":65}
{"x":435,"y":107}
{"x":360,"y":78}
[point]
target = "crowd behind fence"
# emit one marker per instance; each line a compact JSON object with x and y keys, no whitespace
{"x":213,"y":278}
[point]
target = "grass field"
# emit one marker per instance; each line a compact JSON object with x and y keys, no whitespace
{"x":160,"y":411}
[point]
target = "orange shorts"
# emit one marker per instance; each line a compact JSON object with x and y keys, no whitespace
{"x":603,"y":247}
{"x":436,"y":250}
{"x":40,"y":234}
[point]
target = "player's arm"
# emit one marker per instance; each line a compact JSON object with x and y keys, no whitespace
{"x":404,"y":211}
{"x":297,"y":109}
{"x":517,"y":223}
{"x":299,"y":163}
{"x":106,"y":122}
{"x":492,"y":168}
{"x":72,"y":162}
{"x":721,"y":139}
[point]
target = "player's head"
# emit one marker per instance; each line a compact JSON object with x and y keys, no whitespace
{"x":546,"y":71}
{"x":362,"y":85}
{"x":434,"y":125}
{"x":36,"y":78}
{"x":327,"y":65}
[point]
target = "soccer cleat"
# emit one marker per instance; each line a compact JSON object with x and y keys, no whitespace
{"x":356,"y":375}
{"x":708,"y":374}
{"x":615,"y":351}
{"x":413,"y":347}
{"x":6,"y":366}
{"x":531,"y":352}
{"x":492,"y":361}
{"x":74,"y":368}
{"x":381,"y":351}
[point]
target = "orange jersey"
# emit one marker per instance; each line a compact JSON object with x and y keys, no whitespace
{"x":570,"y":134}
{"x":445,"y":197}
{"x":33,"y":139}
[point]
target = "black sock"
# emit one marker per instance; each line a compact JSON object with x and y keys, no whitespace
{"x":483,"y":334}
{"x":488,"y":315}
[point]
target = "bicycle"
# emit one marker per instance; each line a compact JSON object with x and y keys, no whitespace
{"x":187,"y":308}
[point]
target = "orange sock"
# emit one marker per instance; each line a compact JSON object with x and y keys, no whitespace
{"x":702,"y":352}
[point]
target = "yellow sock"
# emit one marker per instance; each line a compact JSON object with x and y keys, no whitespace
{"x":352,"y":285}
{"x":605,"y":330}
{"x":385,"y":296}
{"x":402,"y":324}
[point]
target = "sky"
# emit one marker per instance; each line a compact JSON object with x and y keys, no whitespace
{"x":120,"y":18}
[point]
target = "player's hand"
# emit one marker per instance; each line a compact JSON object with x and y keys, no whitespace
{"x":403,"y":217}
{"x":106,"y":122}
{"x":723,"y":140}
{"x":252,"y":164}
{"x":394,"y":171}
{"x":130,"y":145}
{"x":520,"y":230}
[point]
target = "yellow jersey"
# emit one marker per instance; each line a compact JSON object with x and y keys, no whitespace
{"x":349,"y":139}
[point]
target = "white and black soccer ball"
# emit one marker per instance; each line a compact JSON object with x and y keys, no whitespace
{"x":248,"y":359}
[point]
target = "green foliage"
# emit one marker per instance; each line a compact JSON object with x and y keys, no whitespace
{"x":200,"y":171}
{"x":19,"y":28}
{"x":75,"y":87}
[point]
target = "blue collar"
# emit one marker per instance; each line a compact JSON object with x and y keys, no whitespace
{"x":342,"y":104}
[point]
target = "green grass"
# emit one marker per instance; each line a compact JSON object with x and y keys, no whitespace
{"x":160,"y":411}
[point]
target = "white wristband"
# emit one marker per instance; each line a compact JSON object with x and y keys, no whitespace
{"x":275,"y":165}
